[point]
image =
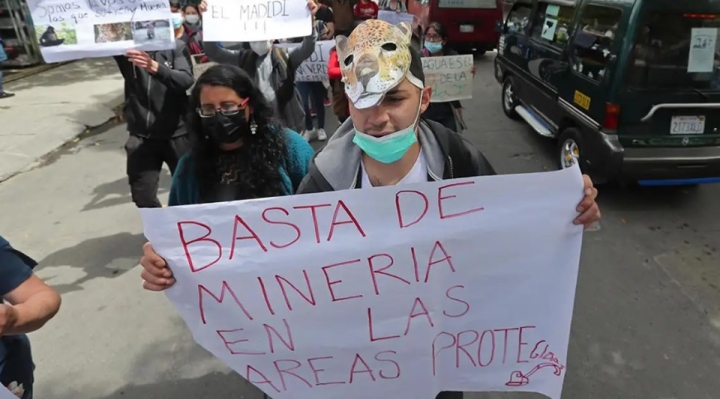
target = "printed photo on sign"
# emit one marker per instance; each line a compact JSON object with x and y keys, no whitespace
{"x":75,"y":29}
{"x":251,"y":20}
{"x":450,"y":77}
{"x":50,"y":36}
{"x":152,"y":31}
{"x":117,"y":32}
{"x":438,"y":286}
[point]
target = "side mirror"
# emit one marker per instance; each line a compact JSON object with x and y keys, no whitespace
{"x":499,"y":26}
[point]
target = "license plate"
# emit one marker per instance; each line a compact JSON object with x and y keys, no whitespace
{"x":467,"y":28}
{"x":687,"y":125}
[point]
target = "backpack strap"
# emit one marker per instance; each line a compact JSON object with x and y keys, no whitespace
{"x":460,"y":159}
{"x":462,"y":165}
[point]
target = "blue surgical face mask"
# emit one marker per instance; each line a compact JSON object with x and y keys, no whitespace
{"x":389,"y":148}
{"x":177,"y":20}
{"x":434,"y":47}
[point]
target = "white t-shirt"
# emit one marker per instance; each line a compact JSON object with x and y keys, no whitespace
{"x":418,"y":173}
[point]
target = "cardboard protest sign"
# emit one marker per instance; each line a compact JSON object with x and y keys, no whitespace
{"x":450,"y":77}
{"x":395,"y":17}
{"x":391,"y":292}
{"x":251,"y":20}
{"x":75,"y":29}
{"x":314,"y":69}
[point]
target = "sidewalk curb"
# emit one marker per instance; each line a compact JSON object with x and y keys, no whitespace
{"x":22,"y":73}
{"x":114,"y":112}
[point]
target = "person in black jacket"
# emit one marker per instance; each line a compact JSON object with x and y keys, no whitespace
{"x":156,"y":101}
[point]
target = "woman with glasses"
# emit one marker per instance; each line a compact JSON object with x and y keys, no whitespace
{"x":240,"y":150}
{"x":449,"y":113}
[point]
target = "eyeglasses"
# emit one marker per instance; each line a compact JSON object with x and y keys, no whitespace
{"x":226,"y":108}
{"x":433,"y":38}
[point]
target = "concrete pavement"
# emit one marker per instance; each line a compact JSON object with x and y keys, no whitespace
{"x":647,"y":313}
{"x":54,"y":107}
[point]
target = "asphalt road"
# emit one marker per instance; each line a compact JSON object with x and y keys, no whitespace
{"x":647,"y":313}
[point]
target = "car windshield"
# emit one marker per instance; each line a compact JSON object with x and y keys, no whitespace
{"x":676,"y":51}
{"x":485,"y":4}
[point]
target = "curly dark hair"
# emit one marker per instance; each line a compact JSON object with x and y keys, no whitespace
{"x":262,"y":154}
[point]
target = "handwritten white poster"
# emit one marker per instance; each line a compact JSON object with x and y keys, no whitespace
{"x":395,"y":17}
{"x":463,"y":285}
{"x":74,"y":29}
{"x":450,"y":77}
{"x":251,"y":20}
{"x":5,"y":394}
{"x":702,"y":50}
{"x":314,"y":69}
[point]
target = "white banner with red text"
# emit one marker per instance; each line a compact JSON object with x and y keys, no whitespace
{"x":403,"y":292}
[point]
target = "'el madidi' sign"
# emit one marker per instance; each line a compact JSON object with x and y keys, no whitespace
{"x":393,"y":292}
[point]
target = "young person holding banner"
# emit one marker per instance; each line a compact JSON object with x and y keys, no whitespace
{"x":385,"y":142}
{"x":272,"y":68}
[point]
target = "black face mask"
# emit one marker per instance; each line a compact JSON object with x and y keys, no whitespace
{"x":226,"y":129}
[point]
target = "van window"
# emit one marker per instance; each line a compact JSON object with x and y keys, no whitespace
{"x":486,"y":4}
{"x":519,"y":18}
{"x":677,"y":50}
{"x":593,"y":43}
{"x":552,"y":22}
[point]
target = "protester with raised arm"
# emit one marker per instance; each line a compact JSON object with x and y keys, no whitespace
{"x":272,"y":68}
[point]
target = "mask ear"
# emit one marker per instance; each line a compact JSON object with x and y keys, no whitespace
{"x":405,"y":31}
{"x":341,"y":47}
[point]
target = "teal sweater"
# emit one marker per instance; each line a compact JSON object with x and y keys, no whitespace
{"x":185,"y":190}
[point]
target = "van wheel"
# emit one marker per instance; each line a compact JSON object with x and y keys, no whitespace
{"x":570,"y":148}
{"x":509,"y":101}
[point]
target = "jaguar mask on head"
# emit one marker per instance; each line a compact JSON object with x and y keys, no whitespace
{"x":374,"y":59}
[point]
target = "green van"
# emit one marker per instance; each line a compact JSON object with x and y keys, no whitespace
{"x":630,"y":89}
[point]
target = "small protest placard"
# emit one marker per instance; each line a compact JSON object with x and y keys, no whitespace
{"x":314,"y":69}
{"x":390,"y":292}
{"x":449,"y":76}
{"x":74,"y":29}
{"x":395,"y":17}
{"x":251,"y":20}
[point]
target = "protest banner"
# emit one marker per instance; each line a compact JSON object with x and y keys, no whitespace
{"x":251,"y":20}
{"x":74,"y":29}
{"x":390,"y":292}
{"x":314,"y":69}
{"x":395,"y":17}
{"x":450,"y":77}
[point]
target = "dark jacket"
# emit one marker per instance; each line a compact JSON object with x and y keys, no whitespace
{"x":448,"y":154}
{"x":440,"y":111}
{"x":156,"y":104}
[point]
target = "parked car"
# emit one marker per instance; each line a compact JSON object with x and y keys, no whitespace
{"x":470,"y":23}
{"x":630,"y":89}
